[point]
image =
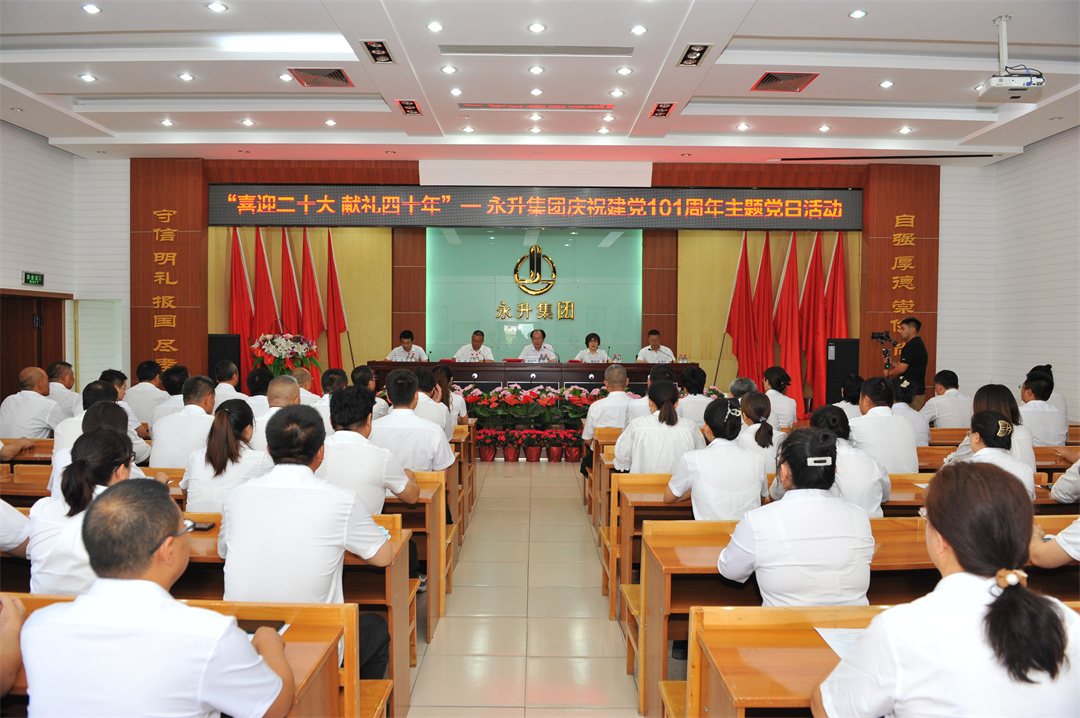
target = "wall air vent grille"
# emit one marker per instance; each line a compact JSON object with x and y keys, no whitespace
{"x":783,"y":82}
{"x":321,"y":78}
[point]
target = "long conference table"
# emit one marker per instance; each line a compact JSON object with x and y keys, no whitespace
{"x":487,"y":375}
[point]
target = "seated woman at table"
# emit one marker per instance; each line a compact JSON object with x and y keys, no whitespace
{"x":997,"y":397}
{"x":980,"y":643}
{"x":228,"y":460}
{"x":592,"y":353}
{"x":724,"y":479}
{"x":810,"y":548}
{"x":455,"y":403}
{"x":59,"y":563}
{"x":783,"y":414}
{"x":990,"y":438}
{"x":757,"y":433}
{"x":654,"y":444}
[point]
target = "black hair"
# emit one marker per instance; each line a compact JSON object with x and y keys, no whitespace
{"x":985,"y":516}
{"x":478,"y":333}
{"x":197,"y":388}
{"x":97,"y":391}
{"x":444,"y":378}
{"x":902,"y":392}
{"x":225,"y":370}
{"x":997,"y":397}
{"x":57,"y":370}
{"x":831,"y":419}
{"x":851,"y":388}
{"x":1040,"y":383}
{"x":779,"y":380}
{"x":913,"y":322}
{"x":174,"y":378}
{"x":994,"y":428}
{"x":879,"y":391}
{"x":148,"y":370}
{"x":95,"y":457}
{"x":294,"y":435}
{"x":425,"y":379}
{"x":543,"y":334}
{"x":333,"y":379}
{"x":105,"y":415}
{"x":757,"y":407}
{"x":124,"y":524}
{"x":362,"y":375}
{"x":226,"y":437}
{"x":724,"y":418}
{"x":662,"y":372}
{"x":405,"y":334}
{"x":664,"y":395}
{"x":947,"y":378}
{"x":590,"y":336}
{"x":401,"y":387}
{"x":351,"y":407}
{"x":653,"y":333}
{"x":258,"y":380}
{"x":693,"y":379}
{"x":113,"y":376}
{"x":810,"y":455}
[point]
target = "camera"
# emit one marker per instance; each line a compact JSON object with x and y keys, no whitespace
{"x":881,"y":337}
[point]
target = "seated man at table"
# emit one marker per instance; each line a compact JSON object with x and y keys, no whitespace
{"x":948,"y":408}
{"x":172,"y":381}
{"x":258,"y":383}
{"x":71,"y":429}
{"x":476,"y":351}
{"x":606,"y":413}
{"x":429,"y":404}
{"x":880,"y":433}
{"x":419,"y":444}
{"x":740,"y":386}
{"x":655,"y":352}
{"x":537,"y":350}
{"x":147,"y":394}
{"x":364,"y":376}
{"x":693,"y":405}
{"x":61,"y":379}
{"x":407,"y":351}
{"x":285,"y":534}
{"x":640,"y":406}
{"x":331,"y":380}
{"x":119,"y":380}
{"x":179,"y":434}
{"x":1049,"y":425}
{"x":228,"y":379}
{"x":29,"y":413}
{"x":127,"y":648}
{"x":303,"y":378}
{"x":282,"y":391}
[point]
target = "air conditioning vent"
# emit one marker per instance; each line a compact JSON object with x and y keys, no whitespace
{"x":321,"y":78}
{"x":783,"y":82}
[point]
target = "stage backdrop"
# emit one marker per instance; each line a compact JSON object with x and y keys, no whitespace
{"x":471,"y":285}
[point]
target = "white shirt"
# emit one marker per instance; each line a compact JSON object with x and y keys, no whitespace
{"x":663,"y":355}
{"x":1021,"y":448}
{"x":852,"y":410}
{"x":59,"y":563}
{"x":62,"y":459}
{"x":931,"y":657}
{"x":457,"y":407}
{"x":435,"y":412}
{"x":398,"y":353}
{"x":637,"y":408}
{"x":225,"y":391}
{"x":782,"y":410}
{"x":354,"y":463}
{"x":1066,"y":488}
{"x":29,"y":414}
{"x":746,"y":440}
{"x":258,"y":431}
{"x":177,"y":435}
{"x":380,"y":409}
{"x":1048,"y":424}
{"x":66,"y":398}
{"x":545,"y":353}
{"x":692,"y":407}
{"x":606,"y":413}
{"x":1069,"y":540}
{"x":14,"y":527}
{"x":323,"y":407}
{"x":860,"y":480}
{"x":951,"y":410}
{"x":284,"y":537}
{"x":259,"y":404}
{"x":172,"y":405}
{"x":1005,"y":460}
{"x":598,"y":357}
{"x":206,"y":492}
{"x":916,"y":419}
{"x":647,"y":446}
{"x":144,"y":398}
{"x":132,"y":420}
{"x":69,"y":431}
{"x":127,"y":648}
{"x":419,"y":444}
{"x":725,"y":481}
{"x":809,"y":549}
{"x":888,"y":438}
{"x":308,"y":398}
{"x":467,"y":354}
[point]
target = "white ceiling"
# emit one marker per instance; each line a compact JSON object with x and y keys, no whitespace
{"x":934,"y":53}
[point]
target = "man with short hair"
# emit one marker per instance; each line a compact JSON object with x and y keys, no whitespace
{"x":364,"y":376}
{"x":654,"y":352}
{"x":640,"y":406}
{"x":29,"y":413}
{"x":283,"y":391}
{"x":228,"y":378}
{"x":179,"y":434}
{"x":332,"y":380}
{"x":145,"y":396}
{"x":61,"y":379}
{"x":284,"y":534}
{"x":692,"y":406}
{"x":948,"y":408}
{"x":304,"y":381}
{"x":913,"y":361}
{"x":258,"y":381}
{"x":71,"y":429}
{"x":606,"y":413}
{"x":740,"y":386}
{"x":407,"y":351}
{"x":128,"y":648}
{"x":888,"y":438}
{"x":429,"y":402}
{"x":119,"y":379}
{"x":538,"y":350}
{"x":172,"y":381}
{"x":476,"y":351}
{"x":1048,"y":424}
{"x":419,"y":444}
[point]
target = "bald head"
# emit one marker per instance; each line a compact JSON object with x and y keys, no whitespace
{"x":283,"y":391}
{"x":615,"y":376}
{"x":303,"y":378}
{"x":34,"y":378}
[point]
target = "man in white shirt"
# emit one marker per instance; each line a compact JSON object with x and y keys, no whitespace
{"x":888,"y":438}
{"x":655,"y":352}
{"x":172,"y":381}
{"x":407,"y":351}
{"x":364,"y":376}
{"x":283,"y":391}
{"x":640,"y":406}
{"x":429,"y":402}
{"x":1066,"y":488}
{"x":740,"y":386}
{"x":331,"y":380}
{"x":1048,"y":424}
{"x":476,"y":351}
{"x":948,"y":408}
{"x":29,"y":413}
{"x":258,"y":381}
{"x":119,"y":379}
{"x":902,"y":407}
{"x":71,"y":429}
{"x":179,"y":434}
{"x":303,"y":379}
{"x":145,"y":396}
{"x":228,"y":378}
{"x":538,"y":351}
{"x":606,"y":413}
{"x":127,"y":647}
{"x":61,"y":379}
{"x":284,"y":535}
{"x":693,"y":405}
{"x":419,"y":444}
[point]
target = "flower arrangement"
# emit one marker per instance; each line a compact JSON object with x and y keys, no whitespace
{"x":532,"y":437}
{"x":714,"y":392}
{"x":282,"y":353}
{"x":494,"y":438}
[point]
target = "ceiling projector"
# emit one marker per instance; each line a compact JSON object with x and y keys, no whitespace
{"x":1012,"y":88}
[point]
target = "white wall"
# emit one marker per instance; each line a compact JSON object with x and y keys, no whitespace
{"x":535,"y":174}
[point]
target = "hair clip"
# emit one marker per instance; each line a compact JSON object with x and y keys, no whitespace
{"x":732,"y":411}
{"x":905,"y":383}
{"x":762,"y":420}
{"x":1006,"y":577}
{"x":819,"y":461}
{"x":1004,"y":428}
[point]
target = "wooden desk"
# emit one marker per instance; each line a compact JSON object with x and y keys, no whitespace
{"x":460,"y":446}
{"x":41,"y":453}
{"x":5,"y":471}
{"x":947,"y":437}
{"x":906,"y":497}
{"x":603,"y":444}
{"x":30,"y":482}
{"x":1074,"y":435}
{"x":932,"y":458}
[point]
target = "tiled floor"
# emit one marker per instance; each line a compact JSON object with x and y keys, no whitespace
{"x":526,"y":633}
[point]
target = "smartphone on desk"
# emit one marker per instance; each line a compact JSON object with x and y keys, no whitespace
{"x":204,"y":525}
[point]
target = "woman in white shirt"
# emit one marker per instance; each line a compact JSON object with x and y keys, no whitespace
{"x":654,"y":444}
{"x":228,"y":460}
{"x":850,"y":391}
{"x":997,"y":397}
{"x":757,"y":433}
{"x":980,"y":643}
{"x":455,"y":403}
{"x":784,"y":412}
{"x":59,"y":563}
{"x":693,"y":405}
{"x":991,"y":441}
{"x":860,"y":478}
{"x":592,"y":354}
{"x":724,"y":480}
{"x":902,"y":408}
{"x":810,"y":548}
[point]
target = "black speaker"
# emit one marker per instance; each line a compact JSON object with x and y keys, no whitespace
{"x":223,"y":346}
{"x":841,"y":359}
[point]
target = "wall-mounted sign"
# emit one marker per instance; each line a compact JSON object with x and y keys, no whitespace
{"x":33,"y":279}
{"x":535,"y":283}
{"x":548,"y":207}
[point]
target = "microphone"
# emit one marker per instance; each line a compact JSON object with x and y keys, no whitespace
{"x":556,"y":354}
{"x":609,"y":353}
{"x":670,"y":355}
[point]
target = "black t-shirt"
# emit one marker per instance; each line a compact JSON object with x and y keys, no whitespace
{"x":914,"y":355}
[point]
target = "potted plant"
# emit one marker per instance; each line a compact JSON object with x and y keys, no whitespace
{"x":533,"y":442}
{"x":488,"y":442}
{"x":553,"y":439}
{"x":511,"y":446}
{"x":572,"y":445}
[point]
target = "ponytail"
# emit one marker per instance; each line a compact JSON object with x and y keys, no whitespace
{"x":756,"y":407}
{"x":724,"y":418}
{"x":95,"y":457}
{"x":225,"y":440}
{"x":778,"y":379}
{"x":664,"y":395}
{"x":444,"y":377}
{"x":832,"y":419}
{"x":810,"y":455}
{"x":994,"y":428}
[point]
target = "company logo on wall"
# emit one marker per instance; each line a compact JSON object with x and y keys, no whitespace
{"x":535,"y":283}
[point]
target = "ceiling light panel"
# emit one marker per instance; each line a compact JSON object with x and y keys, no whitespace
{"x":378,"y":52}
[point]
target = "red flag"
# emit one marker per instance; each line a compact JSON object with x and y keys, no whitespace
{"x":290,"y":296}
{"x":265,"y":320}
{"x":240,"y":306}
{"x":786,"y":322}
{"x":740,"y":322}
{"x":336,"y":322}
{"x":763,"y":305}
{"x":836,"y":294}
{"x":812,"y":324}
{"x":313,"y":323}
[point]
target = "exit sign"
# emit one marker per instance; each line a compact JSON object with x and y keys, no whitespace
{"x":33,"y":279}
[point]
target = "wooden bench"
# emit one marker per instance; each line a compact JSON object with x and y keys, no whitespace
{"x":603,"y":443}
{"x":932,"y":458}
{"x":30,"y":482}
{"x":1074,"y":435}
{"x":40,"y":453}
{"x":673,"y":698}
{"x":947,"y":437}
{"x":631,"y":622}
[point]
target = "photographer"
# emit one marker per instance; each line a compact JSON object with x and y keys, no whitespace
{"x":913,"y":360}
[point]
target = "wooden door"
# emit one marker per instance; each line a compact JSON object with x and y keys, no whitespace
{"x":32,"y":331}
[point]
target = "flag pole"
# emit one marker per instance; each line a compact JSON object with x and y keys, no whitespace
{"x":348,"y":338}
{"x":716,"y":372}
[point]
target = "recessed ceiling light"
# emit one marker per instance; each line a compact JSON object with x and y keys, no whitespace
{"x":244,"y":152}
{"x":824,"y":128}
{"x":603,"y":130}
{"x":638,"y":30}
{"x":19,"y":109}
{"x":449,"y":69}
{"x":608,"y":118}
{"x":455,"y":92}
{"x":857,"y":14}
{"x":101,"y":152}
{"x":92,"y":9}
{"x":1052,"y":119}
{"x":979,"y":88}
{"x":167,"y":123}
{"x":685,"y":154}
{"x":330,"y":123}
{"x":905,"y":130}
{"x":87,"y":78}
{"x":617,"y":93}
{"x":742,"y":127}
{"x":537,"y":91}
{"x":391,"y":152}
{"x":624,"y":71}
{"x":534,"y":117}
{"x":537,"y":27}
{"x":887,"y":84}
{"x":247,"y":123}
{"x":186,"y":77}
{"x":285,"y":77}
{"x":535,"y":130}
{"x":467,"y":129}
{"x":536,"y":69}
{"x":464,"y":117}
{"x":217,"y":7}
{"x":434,"y":26}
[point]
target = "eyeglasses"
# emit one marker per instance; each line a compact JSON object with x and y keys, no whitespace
{"x":189,"y":526}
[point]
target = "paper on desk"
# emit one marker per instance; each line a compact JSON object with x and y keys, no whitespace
{"x":841,"y":640}
{"x":922,"y":486}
